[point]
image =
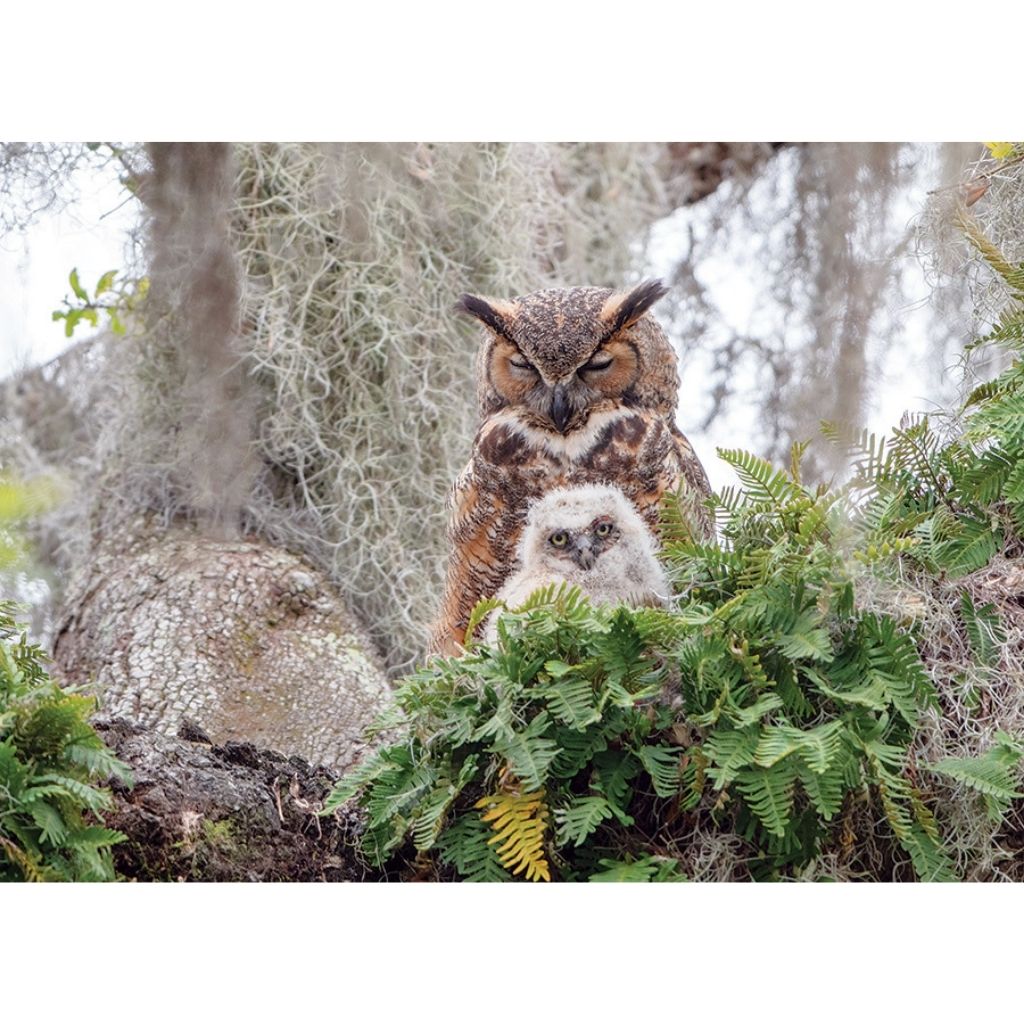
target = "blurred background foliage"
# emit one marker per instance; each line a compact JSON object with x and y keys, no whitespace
{"x":294,"y":371}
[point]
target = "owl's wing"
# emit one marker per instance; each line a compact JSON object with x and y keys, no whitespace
{"x":692,"y":468}
{"x":651,"y":458}
{"x":480,"y":555}
{"x":693,"y":485}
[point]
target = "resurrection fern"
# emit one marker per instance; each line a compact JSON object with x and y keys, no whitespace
{"x":777,"y":716}
{"x":801,"y":703}
{"x":798,"y":703}
{"x":952,"y":502}
{"x":518,"y":821}
{"x":992,"y":775}
{"x":50,"y":759}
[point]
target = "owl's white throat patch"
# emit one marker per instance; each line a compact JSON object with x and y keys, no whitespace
{"x":570,"y":446}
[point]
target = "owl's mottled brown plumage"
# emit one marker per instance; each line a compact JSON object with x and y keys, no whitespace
{"x":576,"y":386}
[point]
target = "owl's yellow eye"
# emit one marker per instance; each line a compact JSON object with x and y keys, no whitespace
{"x":558,"y":539}
{"x":603,"y":529}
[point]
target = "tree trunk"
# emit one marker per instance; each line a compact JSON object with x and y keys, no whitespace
{"x":239,"y":637}
{"x":231,"y":813}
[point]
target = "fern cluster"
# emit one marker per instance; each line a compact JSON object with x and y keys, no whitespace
{"x":952,"y":503}
{"x":50,"y":761}
{"x":562,"y":752}
{"x":522,"y":758}
{"x":769,"y":703}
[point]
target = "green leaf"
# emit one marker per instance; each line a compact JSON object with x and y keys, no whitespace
{"x":985,"y":775}
{"x":466,"y":846}
{"x":753,"y":713}
{"x":88,"y":796}
{"x":79,"y":291}
{"x":99,"y":762}
{"x":50,"y":822}
{"x":96,"y":836}
{"x":614,"y":770}
{"x":578,"y":821}
{"x":106,"y":282}
{"x":572,"y":702}
{"x":762,"y":482}
{"x":663,"y":765}
{"x":729,"y":752}
{"x":768,"y":792}
{"x":530,"y":752}
{"x":479,"y":613}
{"x":825,"y":790}
{"x":644,"y":869}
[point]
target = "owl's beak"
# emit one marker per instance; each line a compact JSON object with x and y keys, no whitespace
{"x":560,"y":408}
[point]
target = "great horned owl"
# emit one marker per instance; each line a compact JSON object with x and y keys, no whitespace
{"x":575,"y":386}
{"x":591,"y":537}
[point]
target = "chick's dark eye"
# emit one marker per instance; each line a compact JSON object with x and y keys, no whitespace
{"x":603,"y":529}
{"x":559,"y":539}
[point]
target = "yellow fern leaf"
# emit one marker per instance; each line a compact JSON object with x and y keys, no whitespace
{"x":518,"y":821}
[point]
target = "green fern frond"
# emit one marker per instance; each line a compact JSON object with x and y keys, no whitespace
{"x":89,"y":797}
{"x":663,"y":765}
{"x":728,"y":752}
{"x":971,"y":549}
{"x":50,"y":821}
{"x":751,"y":714}
{"x":644,"y":869}
{"x":465,"y":845}
{"x":987,"y":775}
{"x":570,"y":699}
{"x":769,"y":792}
{"x":98,"y":761}
{"x":529,"y":753}
{"x":614,"y":770}
{"x":825,"y":790}
{"x":95,"y":836}
{"x":818,"y":747}
{"x":583,"y":817}
{"x":806,"y":639}
{"x":761,"y":480}
{"x":477,"y":616}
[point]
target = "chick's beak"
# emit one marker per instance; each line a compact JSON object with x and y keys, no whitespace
{"x":584,"y":556}
{"x":560,"y":409}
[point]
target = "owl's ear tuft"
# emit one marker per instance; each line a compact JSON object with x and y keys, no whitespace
{"x":494,"y":315}
{"x":623,"y":309}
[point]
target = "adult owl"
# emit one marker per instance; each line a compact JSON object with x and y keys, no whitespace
{"x":591,"y":537}
{"x":575,"y":386}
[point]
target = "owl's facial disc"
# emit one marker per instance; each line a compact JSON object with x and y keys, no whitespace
{"x":521,"y":365}
{"x":583,"y":553}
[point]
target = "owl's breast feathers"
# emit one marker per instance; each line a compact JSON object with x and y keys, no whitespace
{"x":513,"y":463}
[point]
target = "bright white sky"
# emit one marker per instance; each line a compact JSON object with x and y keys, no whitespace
{"x":90,"y":235}
{"x":908,"y":376}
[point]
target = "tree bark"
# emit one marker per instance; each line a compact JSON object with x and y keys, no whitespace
{"x":240,"y":637}
{"x":229,"y":813}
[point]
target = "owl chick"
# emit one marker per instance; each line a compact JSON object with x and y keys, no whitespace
{"x":575,"y":386}
{"x":591,"y":537}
